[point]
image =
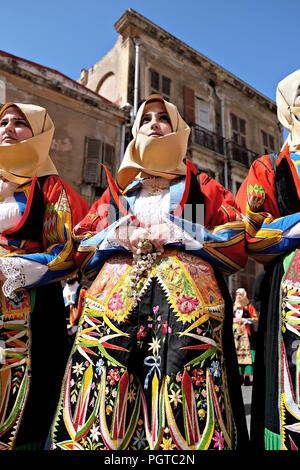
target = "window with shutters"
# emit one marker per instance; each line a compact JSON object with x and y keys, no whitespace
{"x":108,"y":160}
{"x":268,"y":142}
{"x":160,"y":84}
{"x":97,"y":152}
{"x":202,"y":113}
{"x":238,"y":146}
{"x":93,"y":158}
{"x":238,"y":127}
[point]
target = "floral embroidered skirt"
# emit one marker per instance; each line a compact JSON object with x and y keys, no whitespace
{"x":31,"y":370}
{"x":153,"y":376}
{"x":288,"y":384}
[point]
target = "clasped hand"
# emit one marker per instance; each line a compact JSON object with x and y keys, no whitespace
{"x":132,"y":236}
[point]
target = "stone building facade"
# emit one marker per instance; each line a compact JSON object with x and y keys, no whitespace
{"x":231,"y":122}
{"x":88,"y":128}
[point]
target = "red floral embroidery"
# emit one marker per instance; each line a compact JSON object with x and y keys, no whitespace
{"x":115,"y":302}
{"x":198,"y":377}
{"x":142,"y":333}
{"x":187,"y":304}
{"x":113,"y":376}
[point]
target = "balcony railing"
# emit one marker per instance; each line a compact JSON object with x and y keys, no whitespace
{"x":240,"y":154}
{"x":217,"y":143}
{"x":208,"y":139}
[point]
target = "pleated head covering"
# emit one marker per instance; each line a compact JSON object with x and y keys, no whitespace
{"x":22,"y":161}
{"x":157,"y":156}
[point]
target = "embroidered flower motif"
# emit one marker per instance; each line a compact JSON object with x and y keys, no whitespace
{"x":215,"y":369}
{"x":165,"y":328}
{"x":113,"y":376}
{"x":219,"y":440}
{"x":167,"y":444}
{"x":172,"y":272}
{"x":142,"y":333}
{"x":92,"y":402}
{"x":73,"y":399}
{"x":131,"y":396}
{"x":95,"y":433}
{"x":100,"y":367}
{"x":175,"y":397}
{"x":155,"y":309}
{"x":179,"y":376}
{"x":115,"y":302}
{"x":78,"y":369}
{"x":83,"y":442}
{"x":154,"y":346}
{"x":139,"y":439}
{"x":187,"y":304}
{"x":198,"y":377}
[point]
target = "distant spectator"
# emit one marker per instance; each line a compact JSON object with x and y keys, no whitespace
{"x":245,"y":322}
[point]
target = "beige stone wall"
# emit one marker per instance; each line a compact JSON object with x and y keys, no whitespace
{"x":109,"y":76}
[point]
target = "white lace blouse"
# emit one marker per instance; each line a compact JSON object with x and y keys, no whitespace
{"x":151,"y":207}
{"x":17,"y":271}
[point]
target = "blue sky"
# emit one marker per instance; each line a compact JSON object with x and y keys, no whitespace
{"x":254,"y":39}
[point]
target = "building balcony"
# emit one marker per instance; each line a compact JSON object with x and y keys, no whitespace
{"x":207,"y":139}
{"x":216,"y":143}
{"x":240,"y":154}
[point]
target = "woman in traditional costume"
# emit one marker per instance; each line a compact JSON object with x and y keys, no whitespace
{"x":245,"y":323}
{"x":153,"y":364}
{"x":37,"y":211}
{"x":270,"y":199}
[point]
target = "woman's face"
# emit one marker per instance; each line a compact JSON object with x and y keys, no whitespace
{"x":13,"y":127}
{"x":155,"y":121}
{"x":238,"y":296}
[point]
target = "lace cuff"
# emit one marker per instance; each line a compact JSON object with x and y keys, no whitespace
{"x":19,"y":273}
{"x":112,"y":238}
{"x":178,"y":235}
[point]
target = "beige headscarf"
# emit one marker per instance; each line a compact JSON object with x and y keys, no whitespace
{"x":161,"y":156}
{"x":244,"y":301}
{"x":288,"y":114}
{"x":22,"y":161}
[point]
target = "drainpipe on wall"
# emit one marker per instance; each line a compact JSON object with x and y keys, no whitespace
{"x":122,"y":146}
{"x":136,"y":78}
{"x":220,"y":96}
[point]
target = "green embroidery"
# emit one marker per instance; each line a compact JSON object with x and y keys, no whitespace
{"x":256,"y":189}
